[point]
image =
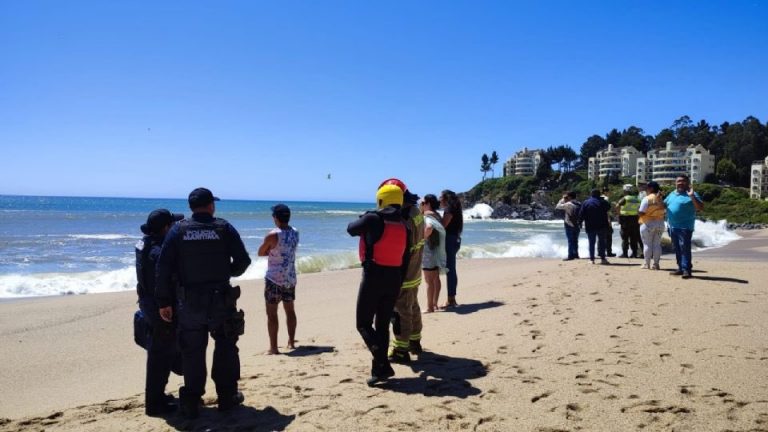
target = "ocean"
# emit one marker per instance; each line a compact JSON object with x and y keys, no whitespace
{"x":79,"y":245}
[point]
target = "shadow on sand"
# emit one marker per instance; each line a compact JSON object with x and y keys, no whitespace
{"x":464,"y":309}
{"x":721,"y":279}
{"x":308,"y":350}
{"x":242,"y":418}
{"x":439,"y":375}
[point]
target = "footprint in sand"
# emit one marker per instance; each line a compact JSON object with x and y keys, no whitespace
{"x":539,"y":397}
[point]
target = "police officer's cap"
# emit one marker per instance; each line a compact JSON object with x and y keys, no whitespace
{"x":281,"y":212}
{"x":201,"y":197}
{"x":158,"y":219}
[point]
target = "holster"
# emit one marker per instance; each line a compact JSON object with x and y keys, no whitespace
{"x":234,"y":325}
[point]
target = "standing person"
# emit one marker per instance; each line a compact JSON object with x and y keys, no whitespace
{"x":627,"y":208}
{"x":652,"y":210}
{"x":407,"y":314}
{"x":570,"y":206}
{"x":682,"y":205}
{"x":280,"y":281}
{"x":453,"y":221}
{"x":383,"y":252}
{"x":205,"y":251}
{"x":434,"y":260}
{"x":609,"y":236}
{"x":162,"y":350}
{"x":594,"y":214}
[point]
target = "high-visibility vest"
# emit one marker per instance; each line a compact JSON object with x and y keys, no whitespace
{"x":630,"y":207}
{"x":655,"y":210}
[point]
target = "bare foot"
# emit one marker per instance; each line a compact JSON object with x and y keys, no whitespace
{"x":430,"y":310}
{"x":291,"y":345}
{"x":272,"y":351}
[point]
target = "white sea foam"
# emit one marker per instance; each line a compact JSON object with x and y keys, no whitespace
{"x":46,"y":284}
{"x":713,"y":234}
{"x":536,"y":246}
{"x":102,"y":236}
{"x":342,"y":212}
{"x":479,"y":211}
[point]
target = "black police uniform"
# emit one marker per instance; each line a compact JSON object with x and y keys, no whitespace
{"x":163,"y":355}
{"x":206,"y":252}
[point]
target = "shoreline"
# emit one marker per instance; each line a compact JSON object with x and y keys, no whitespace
{"x":740,"y":233}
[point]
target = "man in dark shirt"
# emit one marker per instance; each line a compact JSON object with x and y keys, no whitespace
{"x":205,"y":251}
{"x":594,"y":215}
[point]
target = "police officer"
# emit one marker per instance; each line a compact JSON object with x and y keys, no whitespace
{"x":627,"y":208}
{"x":205,"y":251}
{"x":162,"y":351}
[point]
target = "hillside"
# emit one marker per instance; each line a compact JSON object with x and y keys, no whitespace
{"x":720,"y":202}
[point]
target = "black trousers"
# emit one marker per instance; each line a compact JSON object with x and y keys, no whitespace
{"x":163,"y":354}
{"x":630,"y":235}
{"x":376,"y":299}
{"x":204,"y":312}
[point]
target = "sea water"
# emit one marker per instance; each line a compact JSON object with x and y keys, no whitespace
{"x":77,"y":245}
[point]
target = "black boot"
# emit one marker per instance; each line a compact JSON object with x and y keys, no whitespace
{"x":189,"y":404}
{"x":226,"y":403}
{"x":380,"y":371}
{"x":158,"y":407}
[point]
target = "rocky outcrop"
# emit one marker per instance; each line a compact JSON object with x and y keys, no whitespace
{"x":522,"y":211}
{"x":746,"y":226}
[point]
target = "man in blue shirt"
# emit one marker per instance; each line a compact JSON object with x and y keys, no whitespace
{"x":682,"y":205}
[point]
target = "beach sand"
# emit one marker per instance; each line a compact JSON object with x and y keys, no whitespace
{"x":536,"y":345}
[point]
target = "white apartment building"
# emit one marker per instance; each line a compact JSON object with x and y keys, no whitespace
{"x":664,"y":165}
{"x":758,"y":185}
{"x":622,"y":160}
{"x":523,"y":163}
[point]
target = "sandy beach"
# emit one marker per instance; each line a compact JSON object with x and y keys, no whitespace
{"x":536,"y":345}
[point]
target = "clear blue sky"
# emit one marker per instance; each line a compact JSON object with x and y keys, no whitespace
{"x":262,"y":100}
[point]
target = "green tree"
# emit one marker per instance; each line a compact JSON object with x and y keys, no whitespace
{"x":613,"y":137}
{"x":493,"y":161}
{"x":663,"y":137}
{"x":590,"y":148}
{"x":726,"y":171}
{"x":485,"y":165}
{"x":633,"y":136}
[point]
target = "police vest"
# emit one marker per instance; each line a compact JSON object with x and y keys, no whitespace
{"x":388,"y":250}
{"x":143,"y":273}
{"x":630,"y":207}
{"x":203,"y":252}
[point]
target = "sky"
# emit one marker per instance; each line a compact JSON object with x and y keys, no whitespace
{"x":265,"y":100}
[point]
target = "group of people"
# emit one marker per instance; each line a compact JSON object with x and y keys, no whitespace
{"x":642,"y":220}
{"x":402,"y":239}
{"x":184,"y":266}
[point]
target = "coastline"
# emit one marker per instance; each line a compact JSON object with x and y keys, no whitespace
{"x":537,"y":345}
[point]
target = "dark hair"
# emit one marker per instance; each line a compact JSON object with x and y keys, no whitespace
{"x":685,"y":176}
{"x":432,"y":201}
{"x":653,"y":186}
{"x":453,"y":206}
{"x":571,"y":194}
{"x":595,"y":193}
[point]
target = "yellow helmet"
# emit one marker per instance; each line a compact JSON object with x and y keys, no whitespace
{"x":388,"y":195}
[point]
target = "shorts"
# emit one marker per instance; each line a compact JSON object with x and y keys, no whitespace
{"x":274,"y":293}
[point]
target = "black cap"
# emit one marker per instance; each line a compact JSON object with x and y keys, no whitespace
{"x":281,"y":212}
{"x":158,"y":219}
{"x":201,"y":197}
{"x":410,"y":198}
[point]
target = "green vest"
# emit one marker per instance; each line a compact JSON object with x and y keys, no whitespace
{"x":631,"y":206}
